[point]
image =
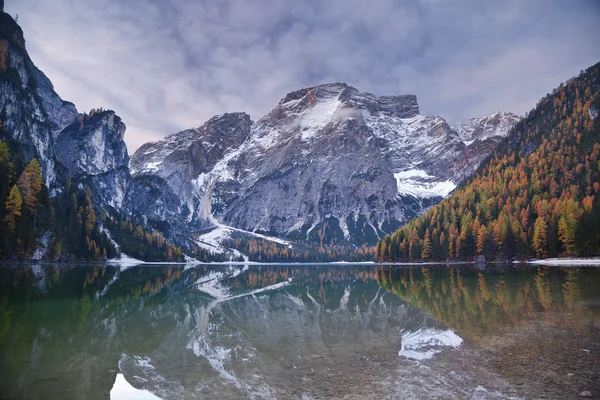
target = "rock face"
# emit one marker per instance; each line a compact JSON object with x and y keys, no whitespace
{"x":327,"y":162}
{"x":151,"y":198}
{"x":181,"y":158}
{"x":87,"y":148}
{"x":481,"y":135}
{"x":30,"y":109}
{"x":93,"y":150}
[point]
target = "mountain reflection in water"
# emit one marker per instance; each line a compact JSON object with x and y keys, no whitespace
{"x":258,"y":331}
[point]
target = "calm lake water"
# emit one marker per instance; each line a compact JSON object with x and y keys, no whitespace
{"x":298,"y":332}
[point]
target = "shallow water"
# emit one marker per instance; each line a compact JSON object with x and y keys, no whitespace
{"x":298,"y":331}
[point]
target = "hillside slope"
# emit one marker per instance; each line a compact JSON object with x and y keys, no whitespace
{"x":537,"y":194}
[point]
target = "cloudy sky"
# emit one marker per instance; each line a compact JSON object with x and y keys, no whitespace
{"x":164,"y":66}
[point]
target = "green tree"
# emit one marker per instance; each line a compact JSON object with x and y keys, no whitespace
{"x":566,"y":233}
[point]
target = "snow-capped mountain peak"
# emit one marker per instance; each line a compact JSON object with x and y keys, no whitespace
{"x":327,"y":157}
{"x":493,"y":126}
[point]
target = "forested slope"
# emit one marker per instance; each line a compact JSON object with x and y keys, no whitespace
{"x":537,"y":194}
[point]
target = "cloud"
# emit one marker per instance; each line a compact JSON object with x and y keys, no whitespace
{"x":168,"y":66}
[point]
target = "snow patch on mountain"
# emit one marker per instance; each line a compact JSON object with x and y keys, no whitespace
{"x":215,"y":237}
{"x":420,"y":184}
{"x":317,"y":117}
{"x":494,"y":126}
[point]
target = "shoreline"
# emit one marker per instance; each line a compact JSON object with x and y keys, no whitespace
{"x":558,"y":262}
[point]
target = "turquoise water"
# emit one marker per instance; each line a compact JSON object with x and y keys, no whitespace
{"x":301,"y":331}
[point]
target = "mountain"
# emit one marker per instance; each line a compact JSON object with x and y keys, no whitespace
{"x":31,"y":111}
{"x":328,"y":165}
{"x":65,"y":188}
{"x":538,"y":194}
{"x":329,"y":168}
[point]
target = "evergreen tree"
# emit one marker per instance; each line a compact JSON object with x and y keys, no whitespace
{"x":90,"y":215}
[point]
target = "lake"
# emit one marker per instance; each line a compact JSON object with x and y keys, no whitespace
{"x":298,"y":332}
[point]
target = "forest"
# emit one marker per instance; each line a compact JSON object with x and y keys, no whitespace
{"x":67,"y":227}
{"x":267,"y":251}
{"x":536,"y":195}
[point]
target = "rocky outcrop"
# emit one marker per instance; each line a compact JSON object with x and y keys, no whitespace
{"x":181,"y":158}
{"x":93,"y":150}
{"x":481,"y":135}
{"x":60,"y":113}
{"x":151,"y":198}
{"x":25,"y":92}
{"x":85,"y":149}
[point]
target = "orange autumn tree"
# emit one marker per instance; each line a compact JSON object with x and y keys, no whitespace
{"x":537,"y":194}
{"x":30,"y":183}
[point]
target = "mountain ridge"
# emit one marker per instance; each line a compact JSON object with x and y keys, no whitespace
{"x":317,"y":125}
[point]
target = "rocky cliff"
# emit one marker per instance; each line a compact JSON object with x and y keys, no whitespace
{"x":88,"y":148}
{"x":85,"y":150}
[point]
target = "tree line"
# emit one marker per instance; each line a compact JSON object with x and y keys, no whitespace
{"x":537,"y":194}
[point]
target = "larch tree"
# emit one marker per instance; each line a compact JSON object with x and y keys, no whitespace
{"x":90,"y":215}
{"x":482,"y":239}
{"x":30,"y":183}
{"x":426,"y":252}
{"x":540,"y":237}
{"x":12,"y":209}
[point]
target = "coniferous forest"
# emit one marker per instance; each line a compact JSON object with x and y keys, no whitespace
{"x":536,"y":195}
{"x":68,"y":227}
